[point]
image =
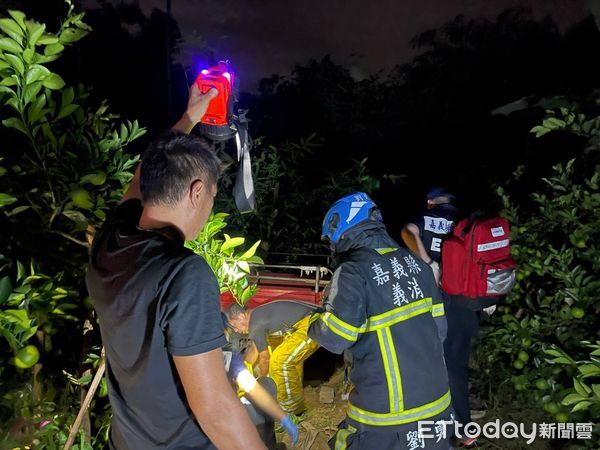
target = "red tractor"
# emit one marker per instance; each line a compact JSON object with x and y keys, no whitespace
{"x":305,"y":283}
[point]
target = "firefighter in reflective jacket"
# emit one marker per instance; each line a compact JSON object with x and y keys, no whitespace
{"x":385,"y":309}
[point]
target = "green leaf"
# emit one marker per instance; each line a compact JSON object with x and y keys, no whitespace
{"x":71,"y":35}
{"x":250,"y":252}
{"x":15,"y":62}
{"x":247,"y":294}
{"x":581,"y":387}
{"x":9,"y":81}
{"x":5,"y":288}
{"x":35,"y":73}
{"x":581,"y":406}
{"x":67,"y":96}
{"x":6,"y":199}
{"x":232,"y":243}
{"x":47,"y":39}
{"x":572,"y":399}
{"x":28,"y":55}
{"x":35,"y":31}
{"x":4,"y":65}
{"x":53,"y":81}
{"x":18,"y":209}
{"x":53,"y":49}
{"x":77,"y":217}
{"x":589,"y":370}
{"x":553,"y":123}
{"x":7,"y":90}
{"x":16,"y":123}
{"x":84,"y":380}
{"x":67,"y":110}
{"x":540,"y":131}
{"x":11,"y":28}
{"x":9,"y":45}
{"x":31,"y":91}
{"x":35,"y":111}
{"x":19,"y":18}
{"x":49,"y":134}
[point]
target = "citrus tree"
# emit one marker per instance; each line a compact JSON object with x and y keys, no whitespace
{"x":231,"y":267}
{"x":536,"y":349}
{"x":63,"y":166}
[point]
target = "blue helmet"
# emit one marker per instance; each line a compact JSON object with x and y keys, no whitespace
{"x":346,"y":213}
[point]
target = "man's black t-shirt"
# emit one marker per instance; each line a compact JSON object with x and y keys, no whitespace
{"x":433,"y":226}
{"x":276,"y":316}
{"x":155,"y":299}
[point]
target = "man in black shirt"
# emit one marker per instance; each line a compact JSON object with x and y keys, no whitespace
{"x":425,"y":234}
{"x":158,"y":305}
{"x":285,"y":365}
{"x":424,"y":237}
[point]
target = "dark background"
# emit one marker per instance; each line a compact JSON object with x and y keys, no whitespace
{"x":409,"y":85}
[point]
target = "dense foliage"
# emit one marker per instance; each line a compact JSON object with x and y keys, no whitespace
{"x":542,"y":346}
{"x":65,"y":166}
{"x":66,"y":160}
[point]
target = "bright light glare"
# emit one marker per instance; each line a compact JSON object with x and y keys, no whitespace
{"x":246,"y":381}
{"x":227,"y":75}
{"x":204,"y":72}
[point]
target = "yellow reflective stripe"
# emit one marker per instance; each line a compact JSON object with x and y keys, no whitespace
{"x":341,"y":328}
{"x":410,"y":415}
{"x":378,"y":322}
{"x":341,"y":440}
{"x":396,"y":369}
{"x":313,"y":318}
{"x":438,"y":310}
{"x":386,"y":367}
{"x":400,"y":314}
{"x":392,"y":371}
{"x":383,"y":251}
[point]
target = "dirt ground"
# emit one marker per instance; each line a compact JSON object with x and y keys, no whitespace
{"x":322,"y":419}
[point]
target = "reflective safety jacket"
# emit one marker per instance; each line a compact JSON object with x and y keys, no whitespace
{"x":385,"y":308}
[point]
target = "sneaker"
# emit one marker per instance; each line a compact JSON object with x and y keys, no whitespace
{"x":469,"y":443}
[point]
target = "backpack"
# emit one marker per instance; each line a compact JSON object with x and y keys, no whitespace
{"x":477,"y":269}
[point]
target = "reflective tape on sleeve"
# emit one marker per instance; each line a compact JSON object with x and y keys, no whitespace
{"x":438,"y":310}
{"x":410,"y":415}
{"x":341,"y":328}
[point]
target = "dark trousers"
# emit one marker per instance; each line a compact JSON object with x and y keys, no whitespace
{"x":348,"y":438}
{"x":463,"y":324}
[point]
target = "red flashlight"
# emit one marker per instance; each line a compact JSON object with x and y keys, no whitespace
{"x":220,"y":110}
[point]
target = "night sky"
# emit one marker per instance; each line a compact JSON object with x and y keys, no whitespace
{"x":263,"y":37}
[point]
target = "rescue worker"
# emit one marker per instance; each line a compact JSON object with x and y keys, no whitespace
{"x":285,"y":364}
{"x":386,"y":310}
{"x":425,"y":234}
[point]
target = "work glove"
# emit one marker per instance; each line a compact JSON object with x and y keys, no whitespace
{"x":236,"y":366}
{"x":290,"y":428}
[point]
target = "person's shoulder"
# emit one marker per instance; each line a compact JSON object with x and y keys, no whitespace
{"x":194,"y":265}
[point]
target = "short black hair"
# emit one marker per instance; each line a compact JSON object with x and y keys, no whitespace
{"x":234,"y":311}
{"x":171,"y":163}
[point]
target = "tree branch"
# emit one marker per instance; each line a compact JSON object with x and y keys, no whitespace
{"x":70,"y":238}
